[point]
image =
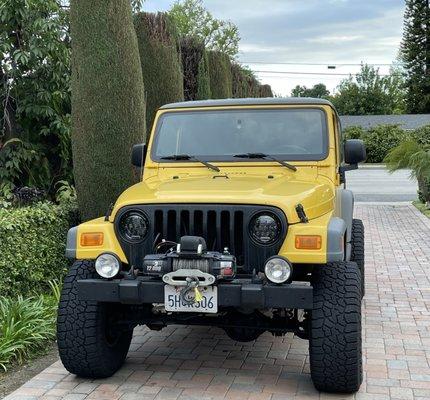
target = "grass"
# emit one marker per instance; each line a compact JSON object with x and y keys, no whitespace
{"x":26,"y":326}
{"x":422,"y":207}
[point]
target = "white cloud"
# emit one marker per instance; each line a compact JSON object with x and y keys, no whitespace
{"x":334,"y":39}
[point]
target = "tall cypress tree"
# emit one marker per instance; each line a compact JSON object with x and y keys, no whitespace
{"x":161,"y":62}
{"x":221,"y":80}
{"x":108,"y":109}
{"x":415,"y":53}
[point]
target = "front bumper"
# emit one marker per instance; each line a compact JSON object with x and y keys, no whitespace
{"x":238,"y":293}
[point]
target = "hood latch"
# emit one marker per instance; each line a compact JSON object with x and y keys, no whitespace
{"x":301,"y":214}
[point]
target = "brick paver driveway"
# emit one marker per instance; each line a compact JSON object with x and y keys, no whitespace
{"x":202,"y":363}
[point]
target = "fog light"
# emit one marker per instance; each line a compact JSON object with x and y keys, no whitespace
{"x":107,"y":265}
{"x":278,"y":269}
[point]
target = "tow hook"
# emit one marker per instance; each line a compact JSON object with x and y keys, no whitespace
{"x":190,"y":294}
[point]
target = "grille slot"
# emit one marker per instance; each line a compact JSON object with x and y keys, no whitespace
{"x":220,"y":225}
{"x":220,"y":229}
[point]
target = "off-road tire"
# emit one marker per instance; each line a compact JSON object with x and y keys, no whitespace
{"x":335,"y":328}
{"x":357,"y":249}
{"x":83,"y":343}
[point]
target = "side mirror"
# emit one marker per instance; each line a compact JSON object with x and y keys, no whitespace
{"x":355,"y":151}
{"x":138,"y":155}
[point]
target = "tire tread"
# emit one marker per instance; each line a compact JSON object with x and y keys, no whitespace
{"x":335,"y":345}
{"x":80,"y":335}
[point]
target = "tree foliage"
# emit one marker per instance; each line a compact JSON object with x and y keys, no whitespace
{"x":108,"y":110}
{"x":370,"y":93}
{"x":415,"y":54}
{"x":317,"y":91}
{"x":194,"y":20}
{"x":35,"y":94}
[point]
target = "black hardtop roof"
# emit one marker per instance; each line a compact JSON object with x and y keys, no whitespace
{"x":249,"y":102}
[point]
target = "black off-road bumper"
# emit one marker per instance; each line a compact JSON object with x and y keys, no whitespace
{"x":238,"y":293}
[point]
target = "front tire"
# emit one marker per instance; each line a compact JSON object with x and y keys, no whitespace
{"x":89,"y":343}
{"x":335,"y":332}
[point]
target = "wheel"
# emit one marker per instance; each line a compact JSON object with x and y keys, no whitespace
{"x":90,"y":344}
{"x":357,"y":249}
{"x":335,"y":328}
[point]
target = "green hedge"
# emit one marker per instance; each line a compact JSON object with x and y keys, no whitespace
{"x":378,"y":140}
{"x":220,"y":75}
{"x":160,"y":60}
{"x":195,"y":66}
{"x":421,"y":135}
{"x":239,"y":83}
{"x":32,"y":245}
{"x":266,"y":91}
{"x":108,"y":108}
{"x":253,"y":87}
{"x":245,"y":84}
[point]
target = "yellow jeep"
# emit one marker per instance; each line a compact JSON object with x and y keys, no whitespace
{"x":241,"y":221}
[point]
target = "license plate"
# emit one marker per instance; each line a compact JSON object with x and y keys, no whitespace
{"x":209,"y":303}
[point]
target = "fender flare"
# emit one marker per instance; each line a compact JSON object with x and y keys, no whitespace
{"x":335,"y":239}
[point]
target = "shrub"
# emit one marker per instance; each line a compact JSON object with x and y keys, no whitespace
{"x":265,"y":91}
{"x":421,"y":135}
{"x":196,"y":69}
{"x":108,"y":109}
{"x":379,"y":140}
{"x":160,"y":61}
{"x":220,"y":75}
{"x":26,"y":325}
{"x":32,"y":246}
{"x":354,"y":132}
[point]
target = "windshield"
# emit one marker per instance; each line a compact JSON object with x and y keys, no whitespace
{"x":214,"y":135}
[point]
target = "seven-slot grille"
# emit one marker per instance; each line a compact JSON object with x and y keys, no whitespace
{"x":220,"y":225}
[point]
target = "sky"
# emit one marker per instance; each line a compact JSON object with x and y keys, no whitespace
{"x":303,"y":37}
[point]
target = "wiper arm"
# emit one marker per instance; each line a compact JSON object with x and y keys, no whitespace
{"x":267,"y":157}
{"x":178,"y":157}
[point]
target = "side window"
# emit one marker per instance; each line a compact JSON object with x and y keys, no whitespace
{"x":339,"y":138}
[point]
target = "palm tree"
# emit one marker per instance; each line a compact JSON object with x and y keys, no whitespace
{"x":416,"y":156}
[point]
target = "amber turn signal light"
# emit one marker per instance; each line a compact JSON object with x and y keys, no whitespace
{"x":92,"y":239}
{"x":308,"y":242}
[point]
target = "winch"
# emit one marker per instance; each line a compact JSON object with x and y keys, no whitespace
{"x":190,"y":258}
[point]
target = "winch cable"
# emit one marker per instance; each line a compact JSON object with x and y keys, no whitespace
{"x":192,"y":284}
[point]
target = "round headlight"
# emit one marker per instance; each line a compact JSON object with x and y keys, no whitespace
{"x":265,"y":228}
{"x":277,"y":269}
{"x":107,"y":265}
{"x":133,"y":226}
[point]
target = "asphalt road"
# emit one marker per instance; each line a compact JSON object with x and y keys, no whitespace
{"x":376,"y":184}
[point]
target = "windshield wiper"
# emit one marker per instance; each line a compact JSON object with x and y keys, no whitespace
{"x":178,"y":157}
{"x":267,"y":157}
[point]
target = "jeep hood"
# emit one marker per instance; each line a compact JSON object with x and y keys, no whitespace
{"x":282,"y":191}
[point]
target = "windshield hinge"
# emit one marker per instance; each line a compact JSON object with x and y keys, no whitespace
{"x":301,"y":214}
